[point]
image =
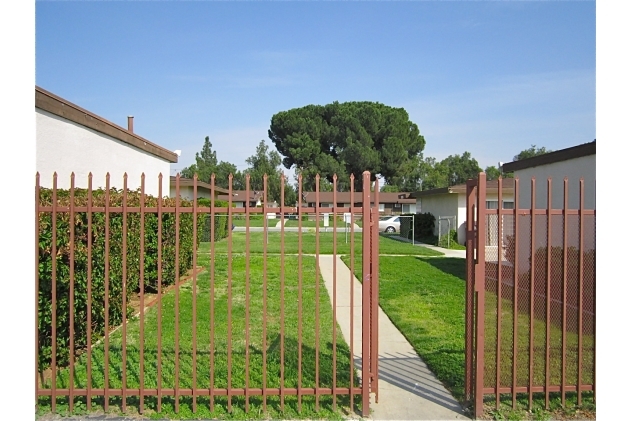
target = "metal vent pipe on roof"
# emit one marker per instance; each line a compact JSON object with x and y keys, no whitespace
{"x":130,"y":123}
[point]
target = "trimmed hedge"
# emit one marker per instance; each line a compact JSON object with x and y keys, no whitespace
{"x":221,"y":221}
{"x":97,"y":236}
{"x":423,"y":225}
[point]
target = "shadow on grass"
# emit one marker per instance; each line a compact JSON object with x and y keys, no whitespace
{"x":452,"y":265}
{"x":291,"y":364}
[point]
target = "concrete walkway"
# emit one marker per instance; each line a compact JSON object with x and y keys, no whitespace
{"x":408,"y":390}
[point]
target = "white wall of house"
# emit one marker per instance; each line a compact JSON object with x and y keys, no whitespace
{"x":408,"y":208}
{"x":454,"y":205}
{"x":440,"y":205}
{"x":573,"y":169}
{"x":63,"y":146}
{"x":186,"y":192}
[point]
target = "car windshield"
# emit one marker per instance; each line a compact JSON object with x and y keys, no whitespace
{"x":384,"y":218}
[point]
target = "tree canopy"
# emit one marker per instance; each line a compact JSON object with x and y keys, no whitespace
{"x":268,"y":162}
{"x":530,"y":152}
{"x":455,"y":169}
{"x":206,"y":165}
{"x":347,"y":138}
{"x":492,"y":172}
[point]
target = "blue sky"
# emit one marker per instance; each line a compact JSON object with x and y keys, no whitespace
{"x":490,"y":78}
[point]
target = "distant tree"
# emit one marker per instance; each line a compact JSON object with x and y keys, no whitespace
{"x":455,"y":169}
{"x":530,"y":152}
{"x":223,"y":171}
{"x":435,"y":174}
{"x":344,"y":139}
{"x":461,"y":168}
{"x":390,"y":189}
{"x":492,"y":173}
{"x":268,"y":162}
{"x":205,"y":163}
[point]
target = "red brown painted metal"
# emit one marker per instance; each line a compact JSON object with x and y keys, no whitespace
{"x":370,"y":294}
{"x":53,"y":306}
{"x":107,"y":294}
{"x":71,"y":298}
{"x":264,"y":346}
{"x":532,"y":290}
{"x":247,"y":292}
{"x":548,"y":280}
{"x":374,"y":293}
{"x":212,"y":292}
{"x":352,"y":298}
{"x":317,"y":291}
{"x":479,"y":292}
{"x":159,"y":286}
{"x":299,"y":291}
{"x":334,"y":291}
{"x":470,"y":291}
{"x":89,"y":293}
{"x":366,"y":295}
{"x":229,"y":292}
{"x":177,"y":292}
{"x":37,"y":214}
{"x":498,"y":371}
{"x":581,"y":250}
{"x":564,"y":327}
{"x":194,"y":292}
{"x":282,"y":293}
{"x":515,"y":292}
{"x":540,"y":296}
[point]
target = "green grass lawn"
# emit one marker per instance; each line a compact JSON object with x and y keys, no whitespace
{"x":433,"y":240}
{"x":425,"y":299}
{"x":308,"y":224}
{"x":291,"y":239}
{"x":254,"y":222}
{"x":272,"y":345}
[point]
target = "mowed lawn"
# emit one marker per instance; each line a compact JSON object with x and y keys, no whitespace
{"x":305,"y":360}
{"x":307,"y":243}
{"x":425,"y":299}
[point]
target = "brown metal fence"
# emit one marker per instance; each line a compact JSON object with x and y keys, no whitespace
{"x":530,"y":298}
{"x":223,"y":321}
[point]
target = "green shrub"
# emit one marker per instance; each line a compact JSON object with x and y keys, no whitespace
{"x":453,"y":239}
{"x":423,"y":225}
{"x":221,"y":220}
{"x":115,"y":258}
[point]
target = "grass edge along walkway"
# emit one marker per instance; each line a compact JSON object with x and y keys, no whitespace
{"x":424,"y":298}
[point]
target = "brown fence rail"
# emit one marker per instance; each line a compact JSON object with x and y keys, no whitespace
{"x":143,"y":299}
{"x":530,"y":302}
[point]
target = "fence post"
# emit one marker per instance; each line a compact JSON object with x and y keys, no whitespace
{"x":366,"y":294}
{"x":479,"y":290}
{"x":374,"y":291}
{"x":469,"y":303}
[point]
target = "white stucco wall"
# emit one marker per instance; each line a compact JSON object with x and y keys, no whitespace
{"x":452,"y":204}
{"x":573,"y":169}
{"x":439,"y":205}
{"x":186,"y":192}
{"x":63,"y":146}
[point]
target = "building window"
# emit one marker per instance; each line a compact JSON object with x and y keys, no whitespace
{"x":382,"y":207}
{"x":506,"y":204}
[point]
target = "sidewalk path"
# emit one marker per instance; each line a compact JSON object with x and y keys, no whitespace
{"x":408,"y":390}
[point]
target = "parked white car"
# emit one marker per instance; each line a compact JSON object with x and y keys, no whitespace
{"x":389,"y":224}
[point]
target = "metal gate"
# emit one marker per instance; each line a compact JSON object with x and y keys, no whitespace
{"x":530,"y":295}
{"x":142,"y":300}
